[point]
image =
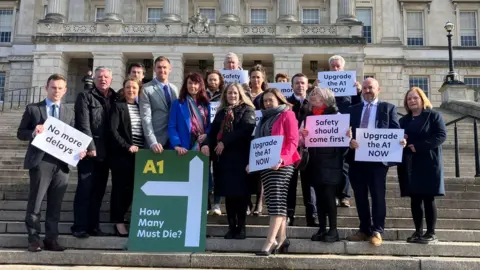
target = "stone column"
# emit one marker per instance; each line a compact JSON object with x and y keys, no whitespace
{"x":44,"y":65}
{"x":288,"y":11}
{"x":230,"y":10}
{"x":76,"y":11}
{"x":219,"y":59}
{"x":171,"y":11}
{"x":287,"y":63}
{"x":177,"y":63}
{"x":26,"y":25}
{"x":113,"y":11}
{"x":56,"y":11}
{"x":346,"y":11}
{"x":116,"y":61}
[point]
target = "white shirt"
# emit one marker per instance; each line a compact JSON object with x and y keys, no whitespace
{"x":373,"y":113}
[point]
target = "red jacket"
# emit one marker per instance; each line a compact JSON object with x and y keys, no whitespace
{"x":286,"y":125}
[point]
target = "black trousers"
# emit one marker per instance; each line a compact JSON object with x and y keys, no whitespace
{"x":49,"y":178}
{"x":430,"y":212}
{"x":326,"y":205}
{"x":92,"y":182}
{"x":237,"y":211}
{"x":309,"y":196}
{"x":343,"y":190}
{"x":122,"y":190}
{"x":370,"y":177}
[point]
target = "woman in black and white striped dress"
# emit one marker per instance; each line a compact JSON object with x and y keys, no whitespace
{"x":128,"y":137}
{"x":278,"y":120}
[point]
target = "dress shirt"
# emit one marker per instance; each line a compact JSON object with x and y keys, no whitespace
{"x":373,"y":113}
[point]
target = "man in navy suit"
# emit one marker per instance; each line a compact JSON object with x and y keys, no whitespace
{"x":370,"y":176}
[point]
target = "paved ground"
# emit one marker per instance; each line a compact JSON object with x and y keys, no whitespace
{"x":36,"y":267}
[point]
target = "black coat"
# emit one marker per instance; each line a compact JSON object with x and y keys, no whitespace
{"x":229,"y":174}
{"x":421,"y":173}
{"x":92,"y":117}
{"x":325,"y":164}
{"x":121,"y":128}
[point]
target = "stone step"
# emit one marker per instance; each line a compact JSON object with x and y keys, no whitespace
{"x":260,"y":231}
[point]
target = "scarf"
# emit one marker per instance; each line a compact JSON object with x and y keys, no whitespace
{"x":227,"y":122}
{"x":268,"y":118}
{"x":198,"y":116}
{"x":319,"y":111}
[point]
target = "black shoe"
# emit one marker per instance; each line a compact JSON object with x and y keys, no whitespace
{"x":230,"y":234}
{"x":283,"y":248}
{"x":272,"y":250}
{"x":428,"y":238}
{"x":311,"y":222}
{"x":97,"y":232}
{"x":290,"y":221}
{"x":34,"y":247}
{"x":80,"y":234}
{"x":414,"y":238}
{"x":52,"y":245}
{"x":240,"y":235}
{"x":319,"y":235}
{"x":117,"y":233}
{"x":331,"y":236}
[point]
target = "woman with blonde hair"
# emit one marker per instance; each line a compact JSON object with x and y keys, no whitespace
{"x":420,"y":174}
{"x":229,"y":145}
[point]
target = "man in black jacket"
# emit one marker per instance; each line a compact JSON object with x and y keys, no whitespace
{"x":92,"y":113}
{"x":299,"y":101}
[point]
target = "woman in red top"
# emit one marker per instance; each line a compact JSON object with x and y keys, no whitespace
{"x":278,"y":120}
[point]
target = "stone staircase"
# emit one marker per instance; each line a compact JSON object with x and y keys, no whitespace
{"x":458,"y":226}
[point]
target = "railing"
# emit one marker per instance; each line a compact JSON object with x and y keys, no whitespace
{"x":457,"y":146}
{"x":17,"y":98}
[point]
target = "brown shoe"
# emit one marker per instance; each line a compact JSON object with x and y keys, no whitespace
{"x":358,"y":237}
{"x":376,"y":239}
{"x":52,"y":245}
{"x":34,"y":247}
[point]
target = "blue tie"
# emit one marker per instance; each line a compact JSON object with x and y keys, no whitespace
{"x":167,"y":95}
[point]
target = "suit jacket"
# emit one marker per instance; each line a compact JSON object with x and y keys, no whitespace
{"x":179,"y":124}
{"x":154,"y":112}
{"x":386,"y":117}
{"x":36,"y":114}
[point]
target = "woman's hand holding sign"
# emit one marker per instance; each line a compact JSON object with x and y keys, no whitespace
{"x":180,"y":150}
{"x":205,"y":150}
{"x":304,"y":132}
{"x":133,"y":149}
{"x":276,"y":167}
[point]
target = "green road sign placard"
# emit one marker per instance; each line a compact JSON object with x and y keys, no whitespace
{"x":169,"y":202}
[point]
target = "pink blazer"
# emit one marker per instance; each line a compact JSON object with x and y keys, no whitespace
{"x":286,"y":125}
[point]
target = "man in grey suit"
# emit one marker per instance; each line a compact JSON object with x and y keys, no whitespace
{"x":48,"y":175}
{"x":155,"y":101}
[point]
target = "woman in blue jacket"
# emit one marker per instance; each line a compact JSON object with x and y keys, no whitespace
{"x":189,"y":120}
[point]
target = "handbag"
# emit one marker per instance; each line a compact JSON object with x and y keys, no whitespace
{"x":305,"y":156}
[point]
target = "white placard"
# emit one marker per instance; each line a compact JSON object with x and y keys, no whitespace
{"x":328,"y":130}
{"x":258,"y":117}
{"x":265,"y":153}
{"x":235,"y":76}
{"x":379,"y":145}
{"x":213,"y":109}
{"x":62,"y":141}
{"x":285,"y":88}
{"x":342,"y":83}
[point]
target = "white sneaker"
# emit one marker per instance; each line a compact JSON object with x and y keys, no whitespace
{"x":216,"y":210}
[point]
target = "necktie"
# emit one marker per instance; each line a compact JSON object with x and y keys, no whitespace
{"x":167,"y":95}
{"x":54,"y":110}
{"x":366,"y":116}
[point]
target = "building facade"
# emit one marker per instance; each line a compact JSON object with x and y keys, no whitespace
{"x":399,"y":42}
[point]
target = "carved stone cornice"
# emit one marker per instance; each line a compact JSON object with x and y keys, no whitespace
{"x":420,"y":63}
{"x":385,"y":62}
{"x":253,"y":41}
{"x":20,"y":58}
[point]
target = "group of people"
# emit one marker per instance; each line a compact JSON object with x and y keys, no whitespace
{"x":158,"y":116}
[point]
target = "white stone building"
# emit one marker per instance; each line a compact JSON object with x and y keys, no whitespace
{"x":401,"y":42}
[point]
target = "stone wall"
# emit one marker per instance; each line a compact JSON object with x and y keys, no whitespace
{"x":20,"y":77}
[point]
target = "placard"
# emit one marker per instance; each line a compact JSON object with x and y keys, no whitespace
{"x":265,"y":153}
{"x":285,"y":88}
{"x":213,"y":109}
{"x":258,"y":117}
{"x":379,"y":145}
{"x":328,"y":130}
{"x":62,"y":141}
{"x":235,"y":76}
{"x":162,"y":181}
{"x":342,"y":83}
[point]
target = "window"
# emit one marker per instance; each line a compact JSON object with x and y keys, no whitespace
{"x":210,"y":13}
{"x":99,"y":13}
{"x":415,"y":28}
{"x":366,"y":76}
{"x":473,"y":83}
{"x":421,"y":82}
{"x":45,"y":11}
{"x":2,"y":86}
{"x":154,"y":15}
{"x":310,"y":16}
{"x":468,"y":29}
{"x":6,"y":17}
{"x":258,"y":16}
{"x":365,"y":16}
